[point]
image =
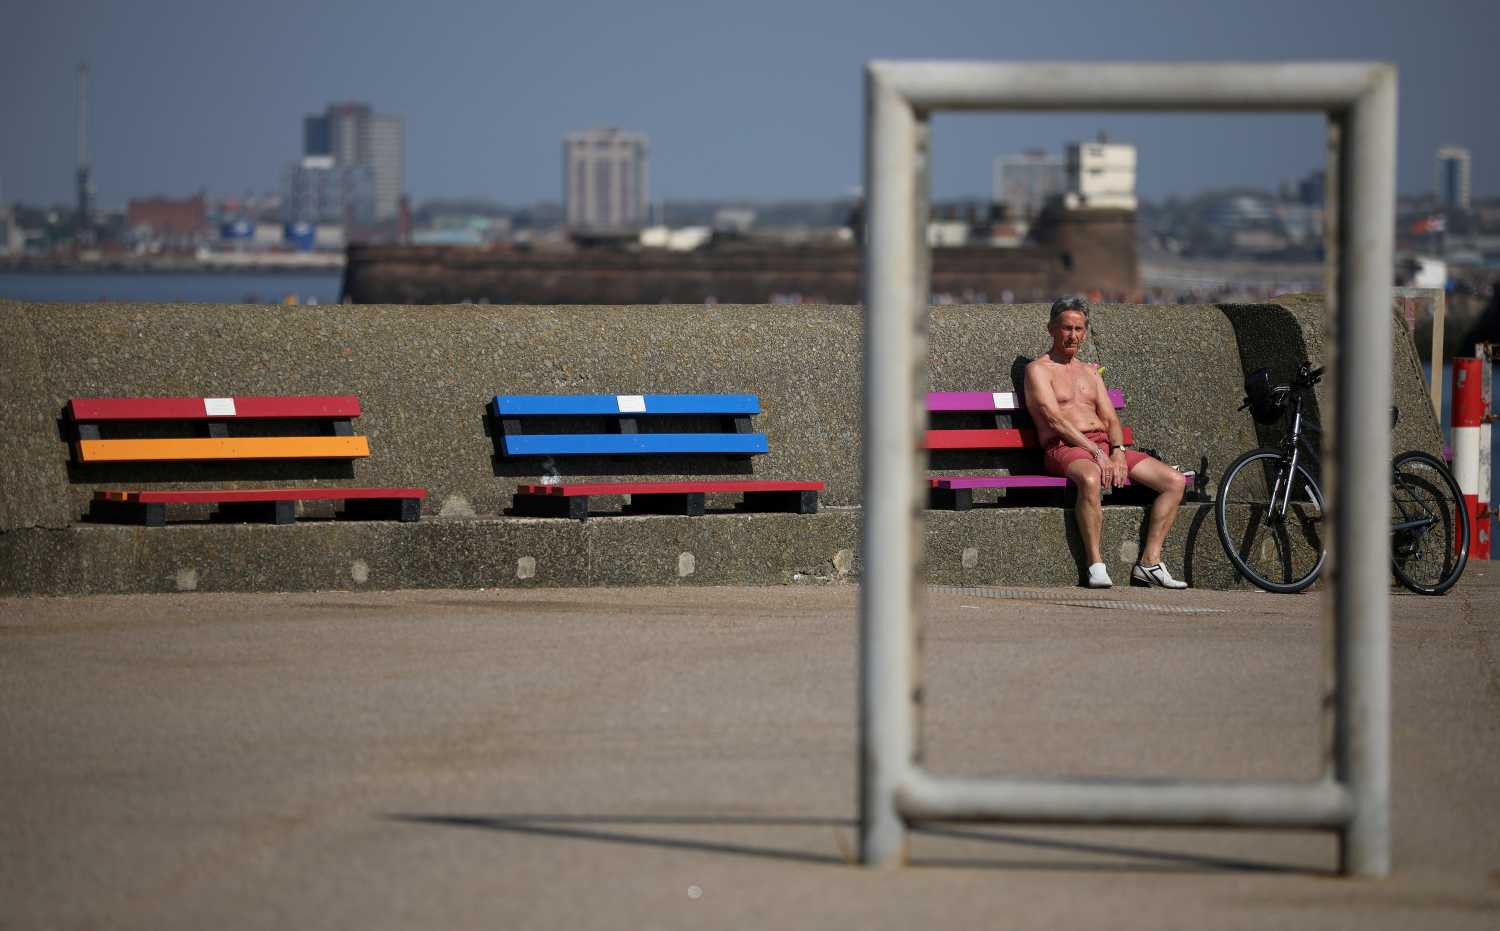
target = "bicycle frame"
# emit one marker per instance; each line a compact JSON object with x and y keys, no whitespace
{"x":1296,"y":446}
{"x":1293,"y":447}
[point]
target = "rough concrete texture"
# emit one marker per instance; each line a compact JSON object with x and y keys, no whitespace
{"x":686,"y":758}
{"x":425,"y":374}
{"x":1041,"y":546}
{"x":759,"y":549}
{"x":985,"y":546}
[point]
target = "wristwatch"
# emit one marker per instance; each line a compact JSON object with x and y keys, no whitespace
{"x":1115,"y":446}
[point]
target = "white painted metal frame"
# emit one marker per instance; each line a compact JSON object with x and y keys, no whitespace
{"x":1353,"y":796}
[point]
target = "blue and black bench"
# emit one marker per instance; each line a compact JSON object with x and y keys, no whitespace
{"x":640,"y":425}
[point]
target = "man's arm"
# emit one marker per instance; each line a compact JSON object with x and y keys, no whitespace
{"x":1107,"y":416}
{"x":1105,"y":408}
{"x":1041,"y":402}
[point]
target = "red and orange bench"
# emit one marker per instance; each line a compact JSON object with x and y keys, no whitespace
{"x":245,"y":428}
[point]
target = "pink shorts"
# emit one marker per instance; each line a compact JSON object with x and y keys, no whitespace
{"x":1059,"y":455}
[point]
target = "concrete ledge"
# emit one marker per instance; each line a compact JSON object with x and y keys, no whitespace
{"x":985,"y":546}
{"x":720,"y":549}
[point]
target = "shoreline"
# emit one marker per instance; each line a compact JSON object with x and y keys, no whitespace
{"x":175,"y":266}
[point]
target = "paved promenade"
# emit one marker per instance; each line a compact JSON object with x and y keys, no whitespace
{"x":684,"y":758}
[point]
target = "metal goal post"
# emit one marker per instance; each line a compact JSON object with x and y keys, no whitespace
{"x":1353,"y":795}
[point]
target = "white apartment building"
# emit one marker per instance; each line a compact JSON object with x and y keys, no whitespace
{"x":1101,"y":174}
{"x":606,"y":179}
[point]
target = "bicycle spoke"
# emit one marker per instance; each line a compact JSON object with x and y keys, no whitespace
{"x":1429,"y":527}
{"x":1271,"y":522}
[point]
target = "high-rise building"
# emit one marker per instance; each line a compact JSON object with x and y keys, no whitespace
{"x":1312,"y":190}
{"x":316,"y":139}
{"x":1025,"y":182}
{"x":1101,"y":174}
{"x":10,"y":240}
{"x":1453,"y":177}
{"x":383,"y":151}
{"x":353,"y":135}
{"x":606,"y":179}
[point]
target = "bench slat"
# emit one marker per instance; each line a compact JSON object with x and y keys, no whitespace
{"x":999,"y":481}
{"x":609,"y":405}
{"x":994,"y":438}
{"x":614,"y":444}
{"x":241,"y":408}
{"x":665,"y":488}
{"x":1001,"y":401}
{"x":257,"y":494}
{"x":1014,"y":481}
{"x":240,"y":447}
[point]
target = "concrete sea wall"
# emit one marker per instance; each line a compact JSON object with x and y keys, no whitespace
{"x":424,"y":375}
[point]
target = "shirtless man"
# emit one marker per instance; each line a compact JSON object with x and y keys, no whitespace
{"x":1082,"y":439}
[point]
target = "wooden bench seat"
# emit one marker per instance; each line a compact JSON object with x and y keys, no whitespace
{"x":629,"y":422}
{"x":269,"y":505}
{"x":624,"y":414}
{"x":572,"y":500}
{"x":215,"y":418}
{"x":955,"y":492}
{"x":247,"y":428}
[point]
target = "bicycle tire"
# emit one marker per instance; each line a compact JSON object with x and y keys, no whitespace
{"x":1282,"y":556}
{"x":1422,"y":489}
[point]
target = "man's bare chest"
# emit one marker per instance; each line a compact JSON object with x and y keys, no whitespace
{"x":1072,"y":387}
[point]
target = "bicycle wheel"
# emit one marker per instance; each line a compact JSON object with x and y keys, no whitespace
{"x":1278,"y":545}
{"x":1429,"y":524}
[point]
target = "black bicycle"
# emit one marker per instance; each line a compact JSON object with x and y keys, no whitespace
{"x":1272,"y":518}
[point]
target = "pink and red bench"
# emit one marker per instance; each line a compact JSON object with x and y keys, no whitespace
{"x":956,"y":492}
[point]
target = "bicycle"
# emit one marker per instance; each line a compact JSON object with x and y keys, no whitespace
{"x":1271,"y":515}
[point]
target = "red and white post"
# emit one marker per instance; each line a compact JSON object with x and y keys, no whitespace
{"x":1468,"y":424}
{"x":1484,"y":353}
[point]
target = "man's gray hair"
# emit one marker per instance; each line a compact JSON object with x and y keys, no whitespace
{"x":1064,"y":304}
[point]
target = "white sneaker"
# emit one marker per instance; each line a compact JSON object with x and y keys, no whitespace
{"x":1099,"y":576}
{"x":1155,"y":575}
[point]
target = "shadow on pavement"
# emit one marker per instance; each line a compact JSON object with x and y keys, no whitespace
{"x":596,"y":828}
{"x":588,"y":827}
{"x":1153,"y":861}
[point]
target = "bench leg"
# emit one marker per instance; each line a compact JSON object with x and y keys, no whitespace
{"x":689,"y":504}
{"x":797,"y":502}
{"x":575,"y":507}
{"x":950,"y":499}
{"x":257,"y":512}
{"x":406,"y":510}
{"x":127,"y":512}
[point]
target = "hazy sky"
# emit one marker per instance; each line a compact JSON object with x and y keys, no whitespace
{"x":756,"y":99}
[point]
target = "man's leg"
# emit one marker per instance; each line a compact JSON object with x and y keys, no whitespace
{"x":1087,"y":510}
{"x":1168,"y":485}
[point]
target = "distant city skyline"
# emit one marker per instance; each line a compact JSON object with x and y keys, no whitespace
{"x":755,"y":102}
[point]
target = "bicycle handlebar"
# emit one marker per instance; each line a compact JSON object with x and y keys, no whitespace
{"x":1307,"y":376}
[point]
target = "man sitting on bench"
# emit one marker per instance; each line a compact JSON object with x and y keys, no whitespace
{"x":1081,"y":439}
